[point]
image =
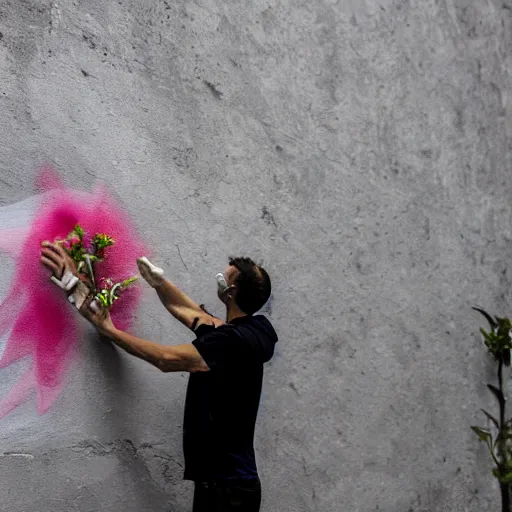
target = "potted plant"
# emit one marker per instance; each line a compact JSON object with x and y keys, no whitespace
{"x":498,"y":438}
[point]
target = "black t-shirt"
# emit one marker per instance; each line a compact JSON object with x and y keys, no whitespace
{"x":222,"y":404}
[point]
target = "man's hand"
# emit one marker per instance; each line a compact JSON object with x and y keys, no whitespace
{"x":98,"y":315}
{"x":153,"y":275}
{"x":64,"y":273}
{"x":54,"y":257}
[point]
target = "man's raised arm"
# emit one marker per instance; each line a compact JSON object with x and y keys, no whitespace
{"x":180,"y":305}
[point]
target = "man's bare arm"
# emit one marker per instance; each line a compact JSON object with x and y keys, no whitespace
{"x":167,"y":358}
{"x":179,"y":304}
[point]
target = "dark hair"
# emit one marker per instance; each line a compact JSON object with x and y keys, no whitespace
{"x":252,"y":283}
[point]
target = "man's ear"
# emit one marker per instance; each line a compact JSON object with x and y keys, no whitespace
{"x":230,"y":291}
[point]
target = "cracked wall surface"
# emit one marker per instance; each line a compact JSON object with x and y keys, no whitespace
{"x":360,"y":149}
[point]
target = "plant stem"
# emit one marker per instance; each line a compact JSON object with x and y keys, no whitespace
{"x":504,"y":488}
{"x":91,"y":271}
{"x":500,"y":382}
{"x":505,"y":498}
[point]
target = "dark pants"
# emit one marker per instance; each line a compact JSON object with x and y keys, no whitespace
{"x":227,"y":496}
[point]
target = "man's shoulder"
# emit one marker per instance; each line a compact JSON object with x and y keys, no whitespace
{"x":255,"y":329}
{"x":248,"y":339}
{"x":259,"y":323}
{"x":221,"y":329}
{"x":257,"y":326}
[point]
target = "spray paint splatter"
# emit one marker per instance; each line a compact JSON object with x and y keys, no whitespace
{"x":42,"y":324}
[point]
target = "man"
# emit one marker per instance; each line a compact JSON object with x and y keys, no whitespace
{"x":225,"y":362}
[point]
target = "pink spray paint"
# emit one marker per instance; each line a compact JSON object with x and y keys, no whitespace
{"x":43,"y":324}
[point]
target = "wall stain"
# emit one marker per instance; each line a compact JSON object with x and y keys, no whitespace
{"x":125,"y":449}
{"x":218,"y":94}
{"x":267,"y":216}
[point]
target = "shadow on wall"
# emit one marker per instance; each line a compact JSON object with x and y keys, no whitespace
{"x":153,"y":475}
{"x":119,"y":407}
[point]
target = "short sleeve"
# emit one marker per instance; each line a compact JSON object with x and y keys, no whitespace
{"x":213,"y":345}
{"x":203,"y":330}
{"x":194,"y":326}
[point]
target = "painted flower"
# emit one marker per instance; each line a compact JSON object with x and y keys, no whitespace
{"x":102,"y":240}
{"x":88,"y":244}
{"x":106,"y":283}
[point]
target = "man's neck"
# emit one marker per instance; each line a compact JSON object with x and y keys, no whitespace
{"x":234,"y":313}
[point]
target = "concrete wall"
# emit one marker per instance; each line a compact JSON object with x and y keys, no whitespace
{"x":361,"y":149}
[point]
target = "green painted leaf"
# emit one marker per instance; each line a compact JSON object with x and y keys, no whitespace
{"x":129,"y":281}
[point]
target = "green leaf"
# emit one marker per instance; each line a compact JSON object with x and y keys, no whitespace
{"x":483,"y":434}
{"x":505,"y":433}
{"x":488,"y":317}
{"x":79,"y":231}
{"x":102,"y":299}
{"x":103,"y":241}
{"x":492,"y":418}
{"x":497,"y":393}
{"x":112,"y":296}
{"x":486,"y":335}
{"x":506,"y":478}
{"x":504,"y":324}
{"x":129,"y":281}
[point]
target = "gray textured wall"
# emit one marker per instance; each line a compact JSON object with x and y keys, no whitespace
{"x":360,"y":148}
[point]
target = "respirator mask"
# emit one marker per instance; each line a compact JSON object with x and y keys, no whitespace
{"x":222,"y":285}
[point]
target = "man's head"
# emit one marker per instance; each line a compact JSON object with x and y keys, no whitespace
{"x":245,"y":285}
